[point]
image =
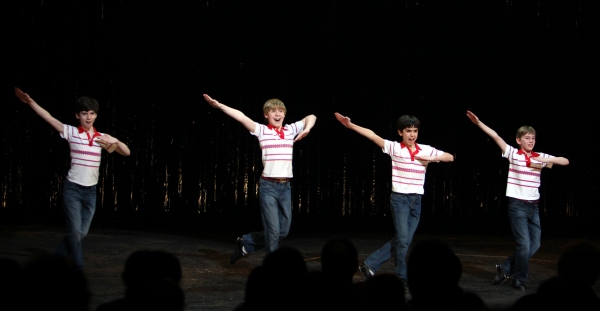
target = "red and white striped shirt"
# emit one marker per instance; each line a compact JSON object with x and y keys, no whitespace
{"x":523,"y":179}
{"x":408,"y":174}
{"x":277,"y":152}
{"x":85,"y":157}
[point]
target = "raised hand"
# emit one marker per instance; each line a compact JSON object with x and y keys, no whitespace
{"x":473,"y":117}
{"x":343,"y":119}
{"x":213,"y":102}
{"x":24,"y":97}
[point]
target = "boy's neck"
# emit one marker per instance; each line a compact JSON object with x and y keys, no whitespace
{"x":529,"y":153}
{"x":275,"y":127}
{"x":410,"y":147}
{"x":89,"y":129}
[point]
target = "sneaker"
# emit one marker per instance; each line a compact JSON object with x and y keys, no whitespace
{"x":367,"y":273}
{"x":405,"y":284}
{"x":238,"y":252}
{"x":500,"y":276}
{"x":518,"y":284}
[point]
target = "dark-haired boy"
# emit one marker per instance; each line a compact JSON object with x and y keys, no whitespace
{"x":409,"y":163}
{"x":522,"y":190}
{"x":275,"y":195}
{"x":79,"y":189}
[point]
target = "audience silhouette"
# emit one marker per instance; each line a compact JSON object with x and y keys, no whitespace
{"x":51,"y":282}
{"x":578,"y":270}
{"x":10,"y":274}
{"x":152,"y":280}
{"x":335,"y":288}
{"x":433,"y":272}
{"x":283,"y":282}
{"x":280,"y":283}
{"x":339,"y":260}
{"x":255,"y":293}
{"x":384,"y":291}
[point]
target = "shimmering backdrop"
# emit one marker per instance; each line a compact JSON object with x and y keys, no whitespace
{"x":149,"y":62}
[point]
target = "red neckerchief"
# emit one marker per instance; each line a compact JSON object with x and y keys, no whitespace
{"x":90,"y":140}
{"x":278,"y":131}
{"x":412,"y":154}
{"x":527,"y":158}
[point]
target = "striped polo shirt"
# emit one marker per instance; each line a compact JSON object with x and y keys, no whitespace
{"x":523,"y":180}
{"x":408,"y":174}
{"x":277,"y":152}
{"x":85,"y":159}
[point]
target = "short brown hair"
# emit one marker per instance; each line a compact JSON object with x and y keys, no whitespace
{"x":524,"y":130}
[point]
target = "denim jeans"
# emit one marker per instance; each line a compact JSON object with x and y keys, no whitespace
{"x":406,"y":212}
{"x":79,"y":205}
{"x":276,"y":212}
{"x":526,"y":230}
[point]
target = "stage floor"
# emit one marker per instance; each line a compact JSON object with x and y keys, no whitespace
{"x":211,"y":283}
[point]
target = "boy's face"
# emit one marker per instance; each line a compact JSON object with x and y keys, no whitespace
{"x":275,"y":117}
{"x":86,"y":118}
{"x":527,"y":142}
{"x":409,"y":135}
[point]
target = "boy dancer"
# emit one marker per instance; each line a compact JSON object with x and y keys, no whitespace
{"x":79,"y":193}
{"x":409,"y":163}
{"x":275,"y":195}
{"x":524,"y":172}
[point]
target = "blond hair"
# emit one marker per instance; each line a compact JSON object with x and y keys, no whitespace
{"x":273,"y":104}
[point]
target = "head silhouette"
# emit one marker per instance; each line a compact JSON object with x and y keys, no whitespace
{"x":144,"y":265}
{"x":432,"y":267}
{"x":579,"y":264}
{"x":339,"y":259}
{"x":51,"y":282}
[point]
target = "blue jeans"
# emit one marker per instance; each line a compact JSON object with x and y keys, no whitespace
{"x":79,"y":205}
{"x":276,"y":212}
{"x":525,"y":226}
{"x":406,"y":210}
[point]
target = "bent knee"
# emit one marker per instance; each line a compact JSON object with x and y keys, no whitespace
{"x":283,"y":235}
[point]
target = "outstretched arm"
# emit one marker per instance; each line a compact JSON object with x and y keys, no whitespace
{"x":555,"y":160}
{"x":109,"y":141}
{"x":499,"y":141}
{"x":24,"y":97}
{"x":309,"y":122}
{"x":361,"y":130}
{"x":234,"y":113}
{"x":446,"y":157}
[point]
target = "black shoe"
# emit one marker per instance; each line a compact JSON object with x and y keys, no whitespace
{"x":367,"y":273}
{"x":500,"y":276}
{"x":238,"y":252}
{"x":518,"y":284}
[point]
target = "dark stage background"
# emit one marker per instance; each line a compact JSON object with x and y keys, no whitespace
{"x":192,"y":167}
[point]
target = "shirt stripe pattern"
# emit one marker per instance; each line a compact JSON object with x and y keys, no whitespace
{"x":523,"y":182}
{"x":85,"y":159}
{"x":408,"y":176}
{"x":277,"y":153}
